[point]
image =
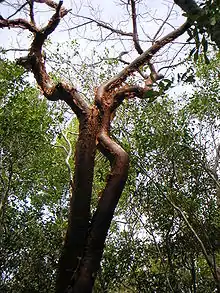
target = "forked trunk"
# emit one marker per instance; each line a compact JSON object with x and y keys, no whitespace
{"x":84,"y":243}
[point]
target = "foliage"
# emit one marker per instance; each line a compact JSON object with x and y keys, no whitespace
{"x":172,"y":149}
{"x":34,"y":185}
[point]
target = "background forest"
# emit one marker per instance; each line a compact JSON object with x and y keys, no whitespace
{"x":165,"y":234}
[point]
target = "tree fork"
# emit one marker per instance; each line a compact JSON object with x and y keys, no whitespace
{"x":119,"y":160}
{"x":85,"y":258}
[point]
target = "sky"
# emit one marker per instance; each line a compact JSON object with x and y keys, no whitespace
{"x":109,"y":11}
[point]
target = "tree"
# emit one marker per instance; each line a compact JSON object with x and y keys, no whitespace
{"x":166,"y":230}
{"x":207,"y":17}
{"x":34,"y":181}
{"x":86,"y":234}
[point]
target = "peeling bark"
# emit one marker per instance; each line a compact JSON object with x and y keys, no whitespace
{"x":79,"y":215}
{"x":85,"y":238}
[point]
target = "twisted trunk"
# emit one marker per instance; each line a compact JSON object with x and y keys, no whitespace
{"x":85,"y":238}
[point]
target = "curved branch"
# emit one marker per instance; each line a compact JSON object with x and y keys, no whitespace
{"x":188,"y":6}
{"x":36,"y":63}
{"x":52,"y":91}
{"x":18,"y":23}
{"x":126,"y":93}
{"x":68,"y":155}
{"x":143,"y":59}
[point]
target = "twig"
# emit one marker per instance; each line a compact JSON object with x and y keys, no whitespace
{"x":104,"y":25}
{"x":162,"y":25}
{"x":19,"y":9}
{"x":143,"y":58}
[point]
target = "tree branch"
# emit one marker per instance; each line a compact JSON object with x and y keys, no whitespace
{"x":68,"y":155}
{"x":104,"y":25}
{"x":135,"y":32}
{"x":54,"y":21}
{"x":144,"y":58}
{"x":188,"y":6}
{"x":162,"y":25}
{"x":18,"y":23}
{"x":31,"y":5}
{"x":19,"y":9}
{"x":36,"y":63}
{"x":58,"y":7}
{"x":126,"y":93}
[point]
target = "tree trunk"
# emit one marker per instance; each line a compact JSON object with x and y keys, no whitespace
{"x":79,"y":214}
{"x":85,"y":238}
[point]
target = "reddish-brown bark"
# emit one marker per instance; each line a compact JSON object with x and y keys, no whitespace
{"x":86,"y":234}
{"x":79,"y":215}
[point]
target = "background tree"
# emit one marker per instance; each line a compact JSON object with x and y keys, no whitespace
{"x":34,"y":184}
{"x":166,"y":230}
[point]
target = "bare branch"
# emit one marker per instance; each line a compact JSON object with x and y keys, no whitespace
{"x":18,"y":23}
{"x":14,"y":50}
{"x":104,"y":25}
{"x":142,"y":59}
{"x":135,"y":32}
{"x":162,"y":25}
{"x":113,"y":30}
{"x":19,"y":9}
{"x":78,"y":26}
{"x":31,"y":4}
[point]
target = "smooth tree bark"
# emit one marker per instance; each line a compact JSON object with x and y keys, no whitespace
{"x":86,"y":233}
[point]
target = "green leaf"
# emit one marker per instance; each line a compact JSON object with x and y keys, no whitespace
{"x":151,"y":93}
